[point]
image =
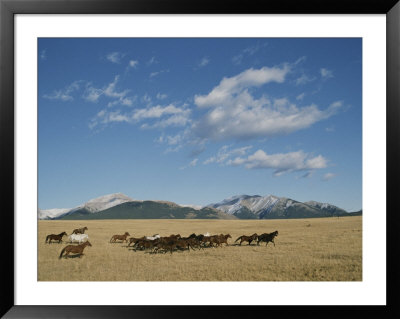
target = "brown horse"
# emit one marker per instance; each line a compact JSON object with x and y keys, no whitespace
{"x":167,"y":245}
{"x":80,"y":230}
{"x":207,"y":239}
{"x":247,"y":238}
{"x":76,"y":249}
{"x":214,"y":239}
{"x":119,"y":237}
{"x":267,"y":237}
{"x":134,"y":240}
{"x":224,"y":239}
{"x":55,"y":237}
{"x":173,"y":237}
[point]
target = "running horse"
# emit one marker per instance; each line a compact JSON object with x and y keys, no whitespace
{"x":80,"y":230}
{"x":119,"y":237}
{"x":267,"y":238}
{"x":224,"y":239}
{"x":55,"y":237}
{"x":247,"y":238}
{"x":76,"y":249}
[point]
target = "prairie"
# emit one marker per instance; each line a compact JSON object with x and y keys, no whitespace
{"x":313,"y":249}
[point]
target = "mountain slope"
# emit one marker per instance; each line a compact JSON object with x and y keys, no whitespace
{"x":272,"y":207}
{"x":120,"y":206}
{"x":92,"y":206}
{"x":150,"y":210}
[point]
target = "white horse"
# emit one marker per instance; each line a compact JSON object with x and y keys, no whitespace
{"x":79,"y":238}
{"x":153,"y":237}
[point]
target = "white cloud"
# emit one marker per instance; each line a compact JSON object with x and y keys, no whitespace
{"x":235,"y":114}
{"x":91,"y":93}
{"x":66,"y":93}
{"x":126,"y":101}
{"x":249,"y":51}
{"x":161,"y":96}
{"x":328,"y":176}
{"x":174,"y":140}
{"x":193,"y":163}
{"x":153,"y":74}
{"x":115,"y":57}
{"x":133,"y":63}
{"x":169,"y":115}
{"x":43,"y":54}
{"x":281,"y":162}
{"x":151,"y":61}
{"x":326,"y":74}
{"x":204,"y":61}
{"x":303,"y":79}
{"x":248,"y":118}
{"x":110,"y":90}
{"x":330,"y":129}
{"x":105,"y":117}
{"x":157,"y":112}
{"x":147,"y":99}
{"x":174,"y":120}
{"x":228,"y":87}
{"x":224,"y":153}
{"x":300,"y":96}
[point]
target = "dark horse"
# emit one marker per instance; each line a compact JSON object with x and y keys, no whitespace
{"x":247,"y":238}
{"x":55,"y":237}
{"x":119,"y":237}
{"x":76,"y":249}
{"x":134,"y":240}
{"x":267,"y":237}
{"x":80,"y":230}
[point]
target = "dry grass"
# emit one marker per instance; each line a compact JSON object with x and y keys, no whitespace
{"x":323,"y":249}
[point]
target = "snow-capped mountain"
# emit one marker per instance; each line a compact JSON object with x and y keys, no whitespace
{"x":325,"y":206}
{"x":92,"y":206}
{"x":52,"y":213}
{"x":120,"y":206}
{"x":270,"y":206}
{"x":256,"y":203}
{"x":106,"y":201}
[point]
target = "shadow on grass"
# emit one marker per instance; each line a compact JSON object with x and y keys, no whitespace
{"x":72,"y":256}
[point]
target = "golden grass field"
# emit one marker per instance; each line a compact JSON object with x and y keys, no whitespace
{"x":314,"y":249}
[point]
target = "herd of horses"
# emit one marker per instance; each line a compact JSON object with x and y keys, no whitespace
{"x":175,"y":242}
{"x":158,"y":244}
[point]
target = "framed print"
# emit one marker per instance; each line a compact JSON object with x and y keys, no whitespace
{"x":194,"y":158}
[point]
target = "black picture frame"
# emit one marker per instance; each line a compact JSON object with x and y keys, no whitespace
{"x":8,"y":8}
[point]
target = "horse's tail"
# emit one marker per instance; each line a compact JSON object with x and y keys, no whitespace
{"x":62,"y":251}
{"x":47,"y":238}
{"x":111,"y":238}
{"x":238,"y":238}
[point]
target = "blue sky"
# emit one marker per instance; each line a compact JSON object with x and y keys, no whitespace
{"x":197,"y":120}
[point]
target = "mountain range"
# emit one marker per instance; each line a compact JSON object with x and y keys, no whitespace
{"x":120,"y":206}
